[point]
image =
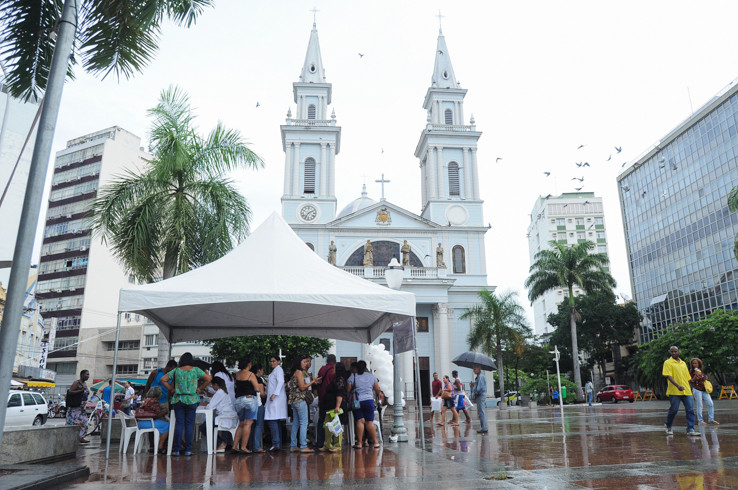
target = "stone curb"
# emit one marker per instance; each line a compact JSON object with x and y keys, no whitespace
{"x":31,"y":477}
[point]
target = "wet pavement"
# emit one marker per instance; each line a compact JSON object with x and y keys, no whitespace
{"x":605,"y":446}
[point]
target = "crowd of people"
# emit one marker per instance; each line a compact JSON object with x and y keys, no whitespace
{"x":245,"y":401}
{"x":451,"y":395}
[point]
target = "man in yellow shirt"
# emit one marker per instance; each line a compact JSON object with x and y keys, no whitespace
{"x":677,"y":374}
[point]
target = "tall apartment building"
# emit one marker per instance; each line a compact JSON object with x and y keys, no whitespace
{"x":569,"y":218}
{"x":79,"y":278}
{"x":679,"y":231}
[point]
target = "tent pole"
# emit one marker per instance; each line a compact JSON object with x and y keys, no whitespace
{"x":418,"y":391}
{"x":112,"y":389}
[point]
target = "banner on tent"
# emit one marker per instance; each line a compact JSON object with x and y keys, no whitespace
{"x":403,"y":336}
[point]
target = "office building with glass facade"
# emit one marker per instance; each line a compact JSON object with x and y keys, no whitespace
{"x":679,"y":231}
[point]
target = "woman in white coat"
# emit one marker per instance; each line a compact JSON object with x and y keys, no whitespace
{"x":276,"y":404}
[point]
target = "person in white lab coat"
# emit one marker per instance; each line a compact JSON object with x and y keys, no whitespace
{"x":276,"y":404}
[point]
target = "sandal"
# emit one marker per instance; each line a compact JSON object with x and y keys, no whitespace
{"x":259,"y":451}
{"x":356,"y":446}
{"x":245,"y":451}
{"x":714,"y":422}
{"x":377,"y":446}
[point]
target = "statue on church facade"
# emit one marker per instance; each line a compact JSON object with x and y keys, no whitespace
{"x":332,"y":253}
{"x":405,"y":249}
{"x":439,"y":256}
{"x":368,"y":254}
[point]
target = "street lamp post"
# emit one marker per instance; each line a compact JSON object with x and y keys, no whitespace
{"x":394,"y":275}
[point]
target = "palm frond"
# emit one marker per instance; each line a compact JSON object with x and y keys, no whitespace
{"x":225,"y":150}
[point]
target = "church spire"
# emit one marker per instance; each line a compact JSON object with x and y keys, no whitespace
{"x":312,"y":69}
{"x":443,"y":72}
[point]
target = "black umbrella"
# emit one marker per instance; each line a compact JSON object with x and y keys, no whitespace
{"x":470,"y":359}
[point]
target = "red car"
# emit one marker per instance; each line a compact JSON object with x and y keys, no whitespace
{"x":615,"y":393}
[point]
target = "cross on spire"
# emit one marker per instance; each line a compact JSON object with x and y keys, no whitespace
{"x":382,"y":181}
{"x":440,"y":16}
{"x":315,"y":11}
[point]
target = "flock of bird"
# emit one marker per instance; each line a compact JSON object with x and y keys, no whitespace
{"x":582,"y":165}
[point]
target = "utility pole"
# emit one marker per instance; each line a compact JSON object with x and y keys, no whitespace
{"x":557,"y":355}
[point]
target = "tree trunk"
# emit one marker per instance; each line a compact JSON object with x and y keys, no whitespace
{"x":501,"y":376}
{"x":575,"y":349}
{"x":164,"y":349}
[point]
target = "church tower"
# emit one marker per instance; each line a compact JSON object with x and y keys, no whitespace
{"x":447,"y":150}
{"x":311,"y":140}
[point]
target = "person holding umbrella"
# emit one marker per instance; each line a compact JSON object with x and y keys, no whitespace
{"x":479,"y":395}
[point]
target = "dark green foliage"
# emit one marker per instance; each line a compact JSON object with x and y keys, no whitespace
{"x":260,"y":347}
{"x":603,"y":325}
{"x":713,"y":339}
{"x":117,"y":36}
{"x":539,"y":387}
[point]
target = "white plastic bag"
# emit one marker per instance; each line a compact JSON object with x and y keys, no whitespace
{"x":334,"y":426}
{"x":436,"y":404}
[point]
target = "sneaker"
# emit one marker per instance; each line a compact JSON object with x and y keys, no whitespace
{"x":693,"y":433}
{"x":188,"y":453}
{"x":668,"y":429}
{"x":175,"y":453}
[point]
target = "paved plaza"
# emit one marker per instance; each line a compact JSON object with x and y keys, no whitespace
{"x":605,"y":446}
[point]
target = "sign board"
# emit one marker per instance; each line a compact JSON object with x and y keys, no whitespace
{"x":404,"y":336}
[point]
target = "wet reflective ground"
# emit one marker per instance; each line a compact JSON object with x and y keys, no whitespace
{"x":605,"y":446}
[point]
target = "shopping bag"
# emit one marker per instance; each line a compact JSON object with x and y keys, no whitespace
{"x":708,"y":387}
{"x":436,"y":404}
{"x":334,"y":426}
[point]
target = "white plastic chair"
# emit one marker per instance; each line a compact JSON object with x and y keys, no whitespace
{"x":138,"y":445}
{"x":128,"y":427}
{"x":218,"y":428}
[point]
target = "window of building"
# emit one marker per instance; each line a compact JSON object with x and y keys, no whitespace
{"x":127,"y":369}
{"x":599,"y":220}
{"x":453,"y":179}
{"x":124,"y":345}
{"x":62,"y":367}
{"x":459,"y":259}
{"x":600,"y":234}
{"x":580,"y":221}
{"x":448,"y":115}
{"x":311,"y":111}
{"x":309,"y":175}
{"x":421,"y":324}
{"x":580,"y":235}
{"x":560,"y":222}
{"x":151,"y":340}
{"x":386,"y":344}
{"x":310,"y":246}
{"x":65,"y":343}
{"x":601,"y":249}
{"x":150,"y":363}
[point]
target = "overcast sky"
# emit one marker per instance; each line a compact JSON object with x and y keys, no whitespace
{"x":543,"y":78}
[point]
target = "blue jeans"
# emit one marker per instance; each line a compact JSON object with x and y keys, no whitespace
{"x":185,"y":422}
{"x":299,"y":421}
{"x":482,"y":410}
{"x":276,"y":430}
{"x":688,"y":401}
{"x":699,"y":396}
{"x":255,"y":438}
{"x":589,"y":397}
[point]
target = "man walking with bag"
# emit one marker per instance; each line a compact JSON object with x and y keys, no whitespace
{"x":479,"y":395}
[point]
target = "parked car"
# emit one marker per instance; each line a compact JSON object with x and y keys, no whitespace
{"x":510,"y":396}
{"x":615,"y":393}
{"x":26,"y":408}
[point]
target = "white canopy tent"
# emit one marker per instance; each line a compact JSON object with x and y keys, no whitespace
{"x":272,"y":284}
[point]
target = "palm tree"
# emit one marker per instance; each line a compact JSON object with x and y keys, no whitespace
{"x":111,"y":36}
{"x":180,"y":212}
{"x":496,"y":320}
{"x":565,"y":266}
{"x":733,"y":205}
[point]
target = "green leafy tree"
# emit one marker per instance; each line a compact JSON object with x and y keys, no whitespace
{"x":733,"y":205}
{"x":602,"y":328}
{"x":260,"y":347}
{"x":712,"y":339}
{"x":112,"y":36}
{"x":565,"y":267}
{"x":181,"y":212}
{"x":496,"y":321}
{"x":537,"y":388}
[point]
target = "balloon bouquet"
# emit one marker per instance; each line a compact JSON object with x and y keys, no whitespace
{"x":380,"y":363}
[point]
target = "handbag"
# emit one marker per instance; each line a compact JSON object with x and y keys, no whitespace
{"x":708,"y":386}
{"x":447,"y":394}
{"x":148,"y":410}
{"x":74,"y":400}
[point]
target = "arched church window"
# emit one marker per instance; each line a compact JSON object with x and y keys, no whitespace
{"x":453,"y":179}
{"x":309,"y":176}
{"x":459,"y":258}
{"x":310,"y":246}
{"x":448,"y":114}
{"x":311,"y":111}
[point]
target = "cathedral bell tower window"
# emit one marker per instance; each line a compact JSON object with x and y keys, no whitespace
{"x":311,"y":111}
{"x":459,"y":259}
{"x":309,"y":187}
{"x":453,"y":179}
{"x":448,"y":115}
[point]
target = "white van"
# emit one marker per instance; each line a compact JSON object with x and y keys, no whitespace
{"x":26,"y":408}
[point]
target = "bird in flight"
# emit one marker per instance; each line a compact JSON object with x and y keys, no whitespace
{"x":498,"y":159}
{"x":580,"y":147}
{"x":585,"y":164}
{"x":626,"y":188}
{"x":618,"y":149}
{"x":548,"y":196}
{"x":361,"y":55}
{"x":577,"y":178}
{"x":579,"y":164}
{"x":586,"y":202}
{"x":609,"y":158}
{"x":579,"y":188}
{"x":257,"y":104}
{"x":440,"y":51}
{"x":565,"y":205}
{"x":547,"y":173}
{"x":624,"y":164}
{"x":674,"y":166}
{"x":644,"y":194}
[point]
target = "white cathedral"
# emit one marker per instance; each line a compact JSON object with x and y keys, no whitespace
{"x":442,"y":247}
